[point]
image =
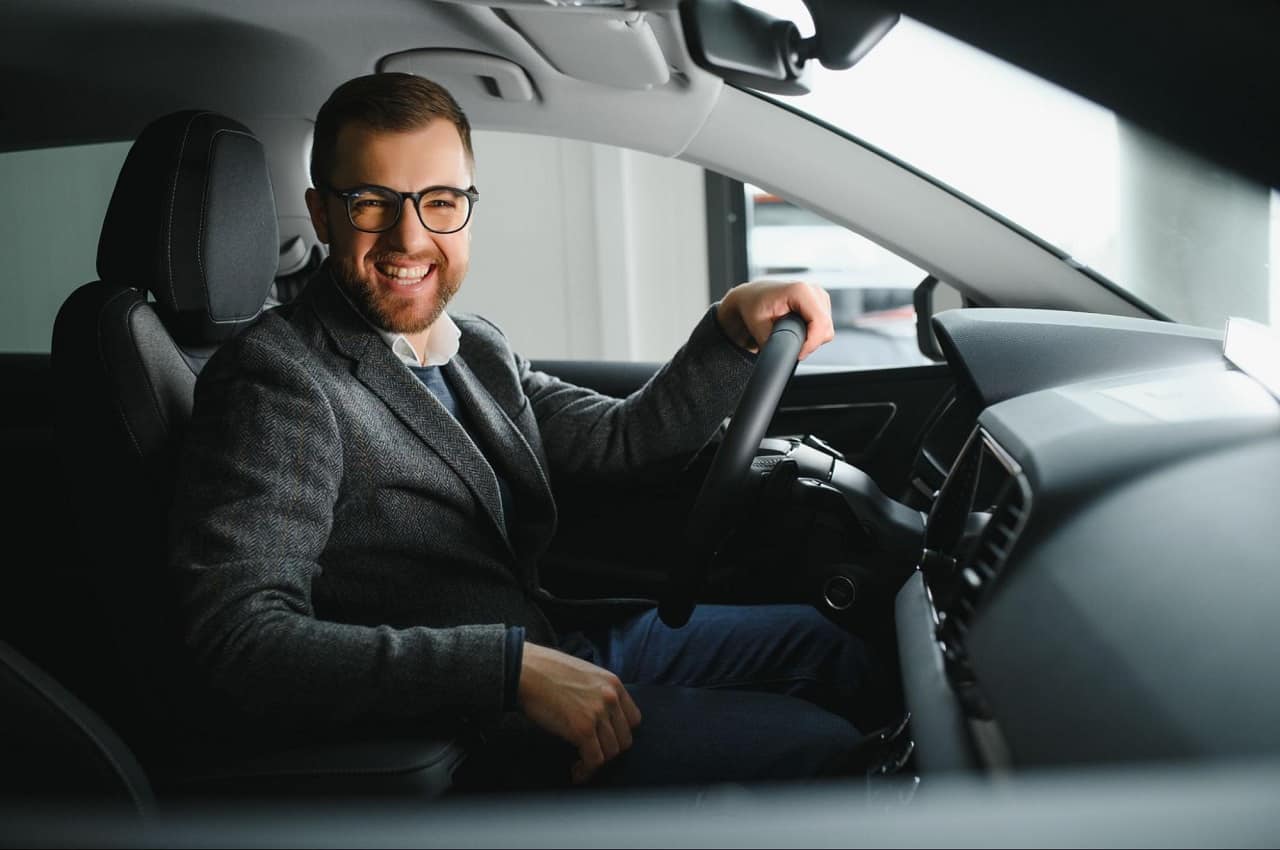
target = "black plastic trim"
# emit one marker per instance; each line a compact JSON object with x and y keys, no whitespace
{"x":938,"y":724}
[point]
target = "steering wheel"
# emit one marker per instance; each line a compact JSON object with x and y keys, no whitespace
{"x":719,"y":502}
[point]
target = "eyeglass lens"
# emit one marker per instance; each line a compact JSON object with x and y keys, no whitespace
{"x":441,"y":210}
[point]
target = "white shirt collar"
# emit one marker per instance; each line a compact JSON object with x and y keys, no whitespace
{"x":442,"y":343}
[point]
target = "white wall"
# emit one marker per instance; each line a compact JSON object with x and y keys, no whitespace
{"x":586,"y":251}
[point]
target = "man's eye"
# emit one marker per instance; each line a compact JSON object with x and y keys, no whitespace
{"x":369,"y":204}
{"x":441,"y":200}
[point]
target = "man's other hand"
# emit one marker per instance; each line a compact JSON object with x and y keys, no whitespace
{"x":584,"y":704}
{"x":748,"y":311}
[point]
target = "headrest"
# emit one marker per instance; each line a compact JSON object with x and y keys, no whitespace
{"x":193,"y":221}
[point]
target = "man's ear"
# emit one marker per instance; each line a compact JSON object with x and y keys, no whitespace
{"x":319,"y":215}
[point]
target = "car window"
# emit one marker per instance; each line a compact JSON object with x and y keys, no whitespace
{"x":1196,"y":241}
{"x":580,"y":251}
{"x":586,"y":251}
{"x":870,"y":287}
{"x":593,"y":252}
{"x":49,"y":232}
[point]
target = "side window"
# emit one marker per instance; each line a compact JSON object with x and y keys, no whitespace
{"x":592,"y":252}
{"x":50,"y":235}
{"x":585,"y":251}
{"x":870,"y":287}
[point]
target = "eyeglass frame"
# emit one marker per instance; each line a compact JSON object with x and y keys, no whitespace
{"x":471,"y":194}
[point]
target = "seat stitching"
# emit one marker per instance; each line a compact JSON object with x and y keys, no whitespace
{"x":204,"y":206}
{"x":173,"y":196}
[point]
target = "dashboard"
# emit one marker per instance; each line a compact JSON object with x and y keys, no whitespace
{"x":1102,"y":549}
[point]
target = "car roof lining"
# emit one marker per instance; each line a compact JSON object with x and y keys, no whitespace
{"x":288,"y":67}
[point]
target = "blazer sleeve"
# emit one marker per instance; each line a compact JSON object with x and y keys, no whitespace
{"x":259,"y":476}
{"x":655,"y":430}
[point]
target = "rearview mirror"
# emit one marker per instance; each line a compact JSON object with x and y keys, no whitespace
{"x":753,"y":49}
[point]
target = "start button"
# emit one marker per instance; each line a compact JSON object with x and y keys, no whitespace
{"x":839,"y":592}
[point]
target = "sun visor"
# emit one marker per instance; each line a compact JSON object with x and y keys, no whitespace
{"x":468,"y":75}
{"x":618,"y":50}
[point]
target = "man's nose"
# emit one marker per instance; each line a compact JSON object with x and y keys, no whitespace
{"x":409,"y":235}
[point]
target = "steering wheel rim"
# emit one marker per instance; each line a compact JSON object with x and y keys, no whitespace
{"x":718,"y":505}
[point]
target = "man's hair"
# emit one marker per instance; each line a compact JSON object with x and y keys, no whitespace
{"x":393,"y":102}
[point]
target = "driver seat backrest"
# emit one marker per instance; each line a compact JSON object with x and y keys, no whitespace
{"x":187,"y":253}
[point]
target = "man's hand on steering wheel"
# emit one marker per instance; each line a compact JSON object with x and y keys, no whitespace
{"x":747,"y":313}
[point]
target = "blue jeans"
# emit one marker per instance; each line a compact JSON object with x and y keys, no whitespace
{"x":740,"y":694}
{"x":779,"y":649}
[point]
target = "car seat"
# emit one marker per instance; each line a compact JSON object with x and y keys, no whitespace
{"x":187,"y":253}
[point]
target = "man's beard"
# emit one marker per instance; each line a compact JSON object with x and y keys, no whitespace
{"x":383,"y":312}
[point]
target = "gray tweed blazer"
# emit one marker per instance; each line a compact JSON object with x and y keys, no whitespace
{"x":339,"y":538}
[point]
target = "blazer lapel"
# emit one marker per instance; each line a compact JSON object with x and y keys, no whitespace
{"x":504,"y":443}
{"x":389,"y":379}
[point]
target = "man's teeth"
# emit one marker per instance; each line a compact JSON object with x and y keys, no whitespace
{"x":404,"y":273}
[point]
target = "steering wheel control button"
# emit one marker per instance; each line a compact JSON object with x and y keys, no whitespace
{"x":839,"y":593}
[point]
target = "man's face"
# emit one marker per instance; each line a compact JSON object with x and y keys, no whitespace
{"x":401,"y":278}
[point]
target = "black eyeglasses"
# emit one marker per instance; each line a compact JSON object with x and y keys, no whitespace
{"x":441,"y":209}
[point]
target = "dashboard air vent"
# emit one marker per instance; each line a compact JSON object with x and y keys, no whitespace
{"x":993,"y":490}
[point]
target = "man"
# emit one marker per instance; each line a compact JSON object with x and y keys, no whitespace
{"x":364,"y":495}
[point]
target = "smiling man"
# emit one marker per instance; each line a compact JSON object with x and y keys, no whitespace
{"x":400,"y":280}
{"x":365,"y":494}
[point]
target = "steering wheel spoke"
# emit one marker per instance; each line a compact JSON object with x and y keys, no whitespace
{"x":720,"y":501}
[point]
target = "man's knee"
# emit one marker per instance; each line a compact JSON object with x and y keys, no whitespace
{"x":832,"y":654}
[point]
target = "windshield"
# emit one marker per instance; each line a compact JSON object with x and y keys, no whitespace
{"x":1196,"y":241}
